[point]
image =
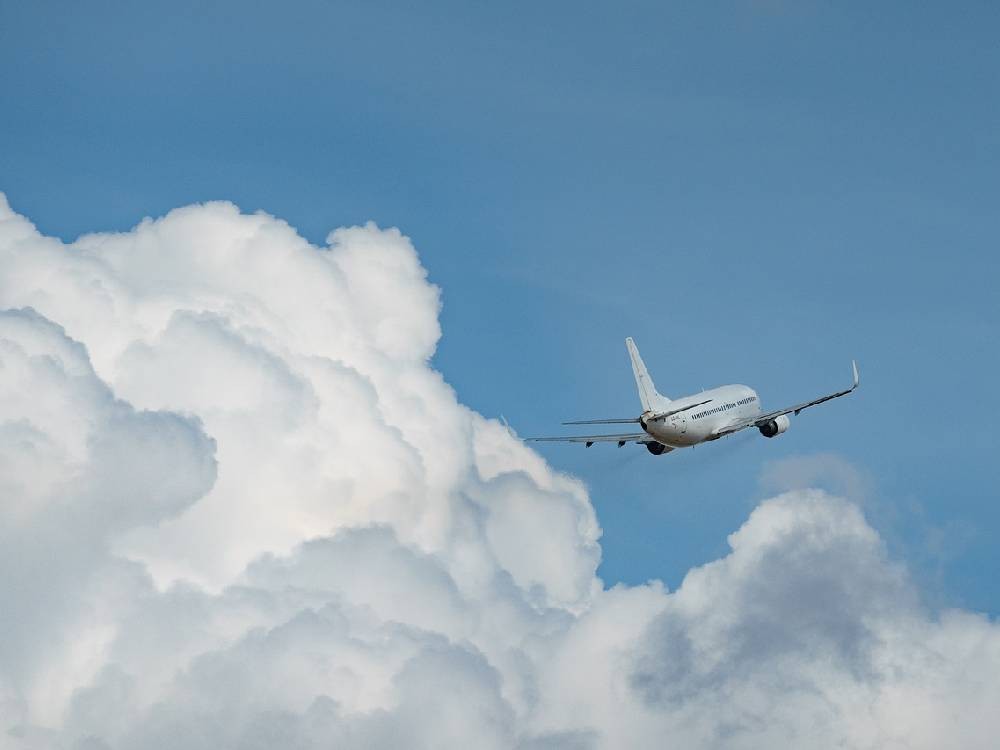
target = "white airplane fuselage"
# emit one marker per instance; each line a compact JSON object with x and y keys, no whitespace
{"x":686,"y":428}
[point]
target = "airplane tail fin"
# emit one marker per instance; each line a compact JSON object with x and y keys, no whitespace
{"x":648,"y":395}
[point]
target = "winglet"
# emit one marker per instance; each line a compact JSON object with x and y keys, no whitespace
{"x":854,"y":365}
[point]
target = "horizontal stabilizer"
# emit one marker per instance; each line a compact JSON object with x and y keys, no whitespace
{"x":671,"y":412}
{"x":634,"y":420}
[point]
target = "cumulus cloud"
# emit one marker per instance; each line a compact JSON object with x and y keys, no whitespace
{"x":239,"y":508}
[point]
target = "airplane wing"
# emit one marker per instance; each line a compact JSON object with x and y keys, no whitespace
{"x":589,"y":440}
{"x":764,"y":418}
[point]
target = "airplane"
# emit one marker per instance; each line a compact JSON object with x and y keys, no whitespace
{"x":670,"y":424}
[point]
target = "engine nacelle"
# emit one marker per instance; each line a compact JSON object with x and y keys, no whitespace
{"x":656,"y":448}
{"x":775,"y":426}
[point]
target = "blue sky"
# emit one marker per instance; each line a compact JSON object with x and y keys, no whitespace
{"x":755,"y":191}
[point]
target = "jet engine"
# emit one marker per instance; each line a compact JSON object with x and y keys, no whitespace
{"x":656,"y":448}
{"x":775,"y":426}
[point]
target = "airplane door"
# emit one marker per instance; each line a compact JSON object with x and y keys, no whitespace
{"x":679,"y":423}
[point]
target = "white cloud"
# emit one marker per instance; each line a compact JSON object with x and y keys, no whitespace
{"x":77,"y":469}
{"x":240,"y":509}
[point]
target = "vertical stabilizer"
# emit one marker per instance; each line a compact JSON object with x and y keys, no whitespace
{"x":650,"y":398}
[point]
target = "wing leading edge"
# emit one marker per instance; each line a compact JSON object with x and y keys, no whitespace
{"x":765,"y":418}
